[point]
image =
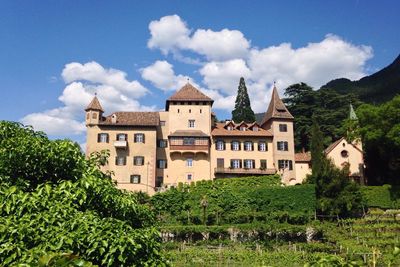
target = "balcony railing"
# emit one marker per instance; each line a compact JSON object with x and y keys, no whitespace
{"x":244,"y":171}
{"x":189,"y":143}
{"x":120,"y":144}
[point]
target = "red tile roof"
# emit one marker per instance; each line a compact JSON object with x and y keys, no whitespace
{"x":94,"y":105}
{"x":302,"y":157}
{"x":188,"y":93}
{"x":133,"y":119}
{"x":220,"y":130}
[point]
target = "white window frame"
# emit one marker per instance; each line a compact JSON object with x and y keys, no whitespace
{"x":262,"y":146}
{"x":283,"y":146}
{"x":189,"y":162}
{"x":248,"y":146}
{"x":133,"y":177}
{"x":248,"y":164}
{"x":139,"y":138}
{"x":220,"y":145}
{"x":235,"y":145}
{"x":242,"y":128}
{"x":103,"y":137}
{"x":285,"y":163}
{"x":235,"y":163}
{"x":121,"y":137}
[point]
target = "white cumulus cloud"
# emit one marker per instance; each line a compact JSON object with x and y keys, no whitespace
{"x":114,"y":90}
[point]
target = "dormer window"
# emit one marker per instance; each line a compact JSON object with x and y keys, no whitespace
{"x":114,"y":118}
{"x":255,"y":129}
{"x":229,"y":128}
{"x":242,"y":128}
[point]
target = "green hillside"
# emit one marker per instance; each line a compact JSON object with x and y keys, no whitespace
{"x":376,"y":88}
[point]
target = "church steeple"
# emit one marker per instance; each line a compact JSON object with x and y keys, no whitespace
{"x":353,"y":115}
{"x":276,"y":108}
{"x":94,"y":105}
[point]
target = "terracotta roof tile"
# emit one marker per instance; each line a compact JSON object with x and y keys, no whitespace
{"x":133,"y":119}
{"x":94,"y":105}
{"x":276,"y":108}
{"x":302,"y":157}
{"x":190,"y":93}
{"x":220,"y":130}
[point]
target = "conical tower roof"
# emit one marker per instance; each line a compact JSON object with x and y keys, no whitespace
{"x":94,"y":105}
{"x":276,"y":108}
{"x":188,"y":93}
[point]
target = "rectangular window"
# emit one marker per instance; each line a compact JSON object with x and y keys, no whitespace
{"x":135,"y":179}
{"x":188,"y":141}
{"x":248,"y":146}
{"x":283,"y":145}
{"x":162,"y":143}
{"x":263,"y":164}
{"x":235,"y":145}
{"x":162,"y":163}
{"x":283,"y":164}
{"x":262,"y":146}
{"x":191,"y":123}
{"x":162,"y":123}
{"x":139,"y":138}
{"x":138,"y":160}
{"x":159,"y":181}
{"x":189,"y":162}
{"x":242,"y":128}
{"x":120,"y":160}
{"x":283,"y":127}
{"x":236,"y":163}
{"x":121,"y":137}
{"x":189,"y":176}
{"x":255,"y":129}
{"x":249,"y":163}
{"x":220,"y":145}
{"x":102,"y":138}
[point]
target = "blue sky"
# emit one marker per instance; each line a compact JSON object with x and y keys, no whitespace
{"x":55,"y":54}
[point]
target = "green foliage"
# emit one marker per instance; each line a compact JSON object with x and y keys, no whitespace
{"x":380,"y":127}
{"x":57,"y":208}
{"x":329,"y":108}
{"x":384,"y":197}
{"x":317,"y":152}
{"x":236,"y":200}
{"x":336,"y":194}
{"x":242,"y":111}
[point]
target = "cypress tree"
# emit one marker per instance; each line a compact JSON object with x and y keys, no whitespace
{"x":243,"y":111}
{"x":317,"y":151}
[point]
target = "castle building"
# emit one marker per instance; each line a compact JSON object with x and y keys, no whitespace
{"x":154,"y":150}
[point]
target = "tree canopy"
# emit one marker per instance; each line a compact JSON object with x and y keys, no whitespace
{"x":55,"y":204}
{"x":380,"y":133}
{"x":329,"y":108}
{"x":243,"y":111}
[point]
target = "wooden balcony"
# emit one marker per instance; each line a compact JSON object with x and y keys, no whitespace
{"x":189,"y":144}
{"x":244,"y":171}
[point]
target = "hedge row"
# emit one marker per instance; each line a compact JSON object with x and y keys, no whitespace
{"x":232,"y":201}
{"x":384,"y":197}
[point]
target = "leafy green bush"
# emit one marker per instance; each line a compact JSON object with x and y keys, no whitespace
{"x":55,"y":202}
{"x":385,"y":196}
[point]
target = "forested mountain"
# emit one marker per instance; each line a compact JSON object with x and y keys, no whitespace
{"x":377,"y":88}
